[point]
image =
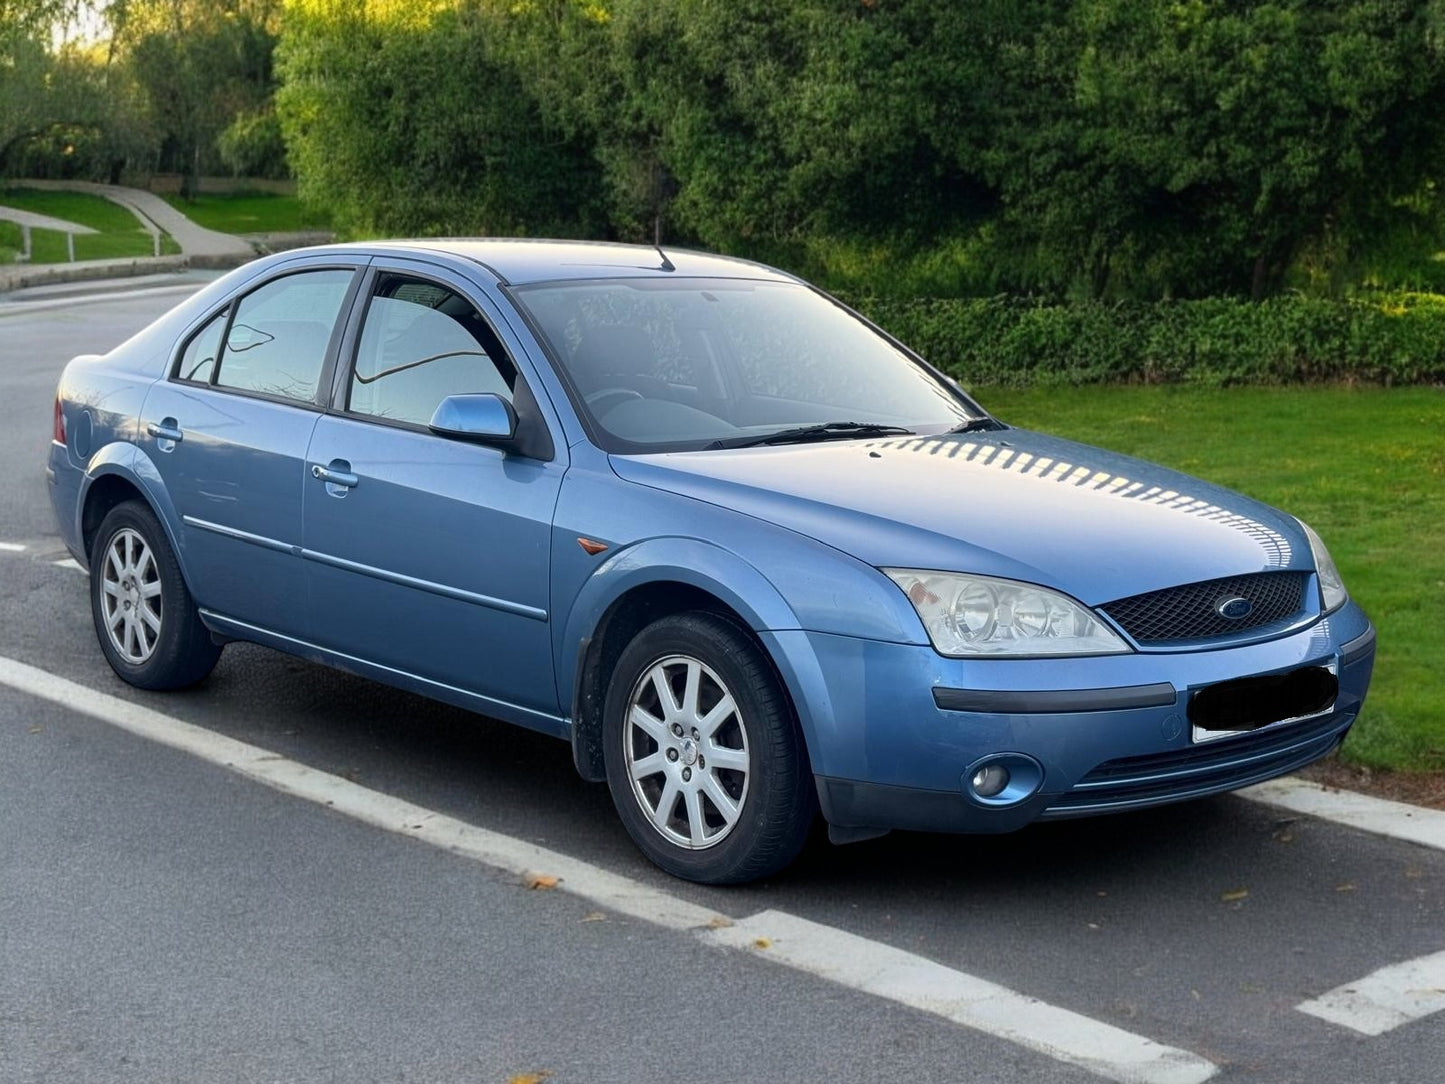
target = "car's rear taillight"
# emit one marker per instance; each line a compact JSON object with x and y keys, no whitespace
{"x":59,"y":434}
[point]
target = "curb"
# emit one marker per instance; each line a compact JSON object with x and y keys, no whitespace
{"x":21,"y":276}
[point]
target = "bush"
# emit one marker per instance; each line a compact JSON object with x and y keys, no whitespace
{"x":1013,"y":341}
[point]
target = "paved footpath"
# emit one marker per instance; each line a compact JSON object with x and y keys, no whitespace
{"x":152,"y":210}
{"x":199,"y":247}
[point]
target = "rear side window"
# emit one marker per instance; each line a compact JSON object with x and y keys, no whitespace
{"x":276,"y":342}
{"x":420,"y":343}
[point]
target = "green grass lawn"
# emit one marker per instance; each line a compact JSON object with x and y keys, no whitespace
{"x":250,"y":213}
{"x":1364,"y":466}
{"x":121,"y":234}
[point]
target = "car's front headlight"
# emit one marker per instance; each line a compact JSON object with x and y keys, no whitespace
{"x":1332,"y":587}
{"x":980,"y":615}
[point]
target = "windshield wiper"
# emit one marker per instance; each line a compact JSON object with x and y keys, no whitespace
{"x":804,"y":433}
{"x":978,"y":425}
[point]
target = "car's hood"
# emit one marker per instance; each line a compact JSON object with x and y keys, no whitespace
{"x":1011,"y":503}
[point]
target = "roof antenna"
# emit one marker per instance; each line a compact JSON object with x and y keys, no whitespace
{"x":667,"y":264}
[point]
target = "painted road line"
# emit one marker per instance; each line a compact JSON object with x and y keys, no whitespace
{"x":1385,"y":999}
{"x":70,"y":563}
{"x":860,"y":964}
{"x":912,"y":980}
{"x":371,"y":807}
{"x":12,"y":547}
{"x":1409,"y":822}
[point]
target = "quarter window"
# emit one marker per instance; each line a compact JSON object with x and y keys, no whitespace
{"x":198,"y":360}
{"x":276,"y":344}
{"x":420,"y":343}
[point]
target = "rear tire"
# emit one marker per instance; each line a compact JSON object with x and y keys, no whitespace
{"x":145,"y":618}
{"x":704,"y":757}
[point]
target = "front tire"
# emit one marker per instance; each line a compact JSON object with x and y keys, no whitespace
{"x":705,"y":761}
{"x":145,"y":618}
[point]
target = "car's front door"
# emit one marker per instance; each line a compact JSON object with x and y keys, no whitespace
{"x":428,"y":554}
{"x":227,"y":431}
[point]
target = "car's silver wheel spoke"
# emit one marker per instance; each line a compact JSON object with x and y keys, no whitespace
{"x":651,"y":765}
{"x":130,"y":596}
{"x":709,"y":723}
{"x":720,"y":798}
{"x":686,"y":738}
{"x":663,"y":812}
{"x":649,"y":724}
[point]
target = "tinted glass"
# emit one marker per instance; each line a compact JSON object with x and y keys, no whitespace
{"x":198,"y":361}
{"x":420,"y":343}
{"x":277,"y":341}
{"x":684,"y":362}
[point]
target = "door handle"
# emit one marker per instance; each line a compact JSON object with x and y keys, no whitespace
{"x":333,"y":476}
{"x":165,"y":429}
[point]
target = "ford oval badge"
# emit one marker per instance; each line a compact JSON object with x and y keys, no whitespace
{"x":1233,"y":609}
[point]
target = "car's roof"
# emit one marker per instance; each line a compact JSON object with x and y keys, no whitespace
{"x":520,"y":261}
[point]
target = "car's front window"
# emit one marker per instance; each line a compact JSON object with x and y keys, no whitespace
{"x":687,"y":363}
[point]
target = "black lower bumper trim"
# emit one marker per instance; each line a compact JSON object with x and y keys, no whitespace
{"x":1055,"y":701}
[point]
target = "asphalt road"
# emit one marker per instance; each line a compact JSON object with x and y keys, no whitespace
{"x":163,"y":918}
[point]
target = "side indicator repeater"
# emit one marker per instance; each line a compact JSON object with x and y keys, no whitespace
{"x":592,"y":547}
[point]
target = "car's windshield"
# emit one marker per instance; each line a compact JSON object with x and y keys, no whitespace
{"x":691,"y":363}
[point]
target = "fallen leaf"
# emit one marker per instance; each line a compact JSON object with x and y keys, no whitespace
{"x":719,"y":922}
{"x":1346,"y":887}
{"x":1234,"y":895}
{"x":1284,"y":837}
{"x":595,"y":916}
{"x":762,"y":943}
{"x":540,"y":880}
{"x":530,"y":1078}
{"x":37,"y":729}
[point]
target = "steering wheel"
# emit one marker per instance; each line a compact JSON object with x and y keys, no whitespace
{"x":612,"y":397}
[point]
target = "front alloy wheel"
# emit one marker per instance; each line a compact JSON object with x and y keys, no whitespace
{"x":687,"y":752}
{"x":704,"y":756}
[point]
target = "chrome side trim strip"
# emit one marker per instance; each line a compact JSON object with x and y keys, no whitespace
{"x":242,"y":536}
{"x":445,"y":591}
{"x":505,"y":605}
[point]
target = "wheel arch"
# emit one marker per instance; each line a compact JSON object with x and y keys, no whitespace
{"x":118,"y":473}
{"x":639,"y":586}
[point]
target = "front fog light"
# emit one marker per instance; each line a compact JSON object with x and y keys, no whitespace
{"x":1001,"y":780}
{"x":990,"y":781}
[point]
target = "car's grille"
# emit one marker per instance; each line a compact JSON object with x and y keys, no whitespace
{"x":1223,"y":764}
{"x":1188,"y":613}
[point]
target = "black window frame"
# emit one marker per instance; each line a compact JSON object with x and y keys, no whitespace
{"x":340,"y":397}
{"x":321,"y":397}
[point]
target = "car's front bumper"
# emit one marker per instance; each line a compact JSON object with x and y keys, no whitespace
{"x":890,"y":749}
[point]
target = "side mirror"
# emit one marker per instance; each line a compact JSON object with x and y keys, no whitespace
{"x":483,"y":417}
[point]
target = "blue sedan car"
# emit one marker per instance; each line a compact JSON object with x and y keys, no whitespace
{"x":744,"y":551}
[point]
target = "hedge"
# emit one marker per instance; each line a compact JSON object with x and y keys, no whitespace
{"x":1013,"y":341}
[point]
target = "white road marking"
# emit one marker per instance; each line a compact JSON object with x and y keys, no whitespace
{"x":900,"y":976}
{"x":70,"y":563}
{"x":1385,"y":999}
{"x":818,"y":950}
{"x":12,"y":547}
{"x":1396,"y":819}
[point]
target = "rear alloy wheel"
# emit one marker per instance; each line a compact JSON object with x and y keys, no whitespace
{"x":145,"y":619}
{"x":704,"y":759}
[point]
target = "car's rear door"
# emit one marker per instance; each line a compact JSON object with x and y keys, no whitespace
{"x":227,"y":430}
{"x":426,"y":554}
